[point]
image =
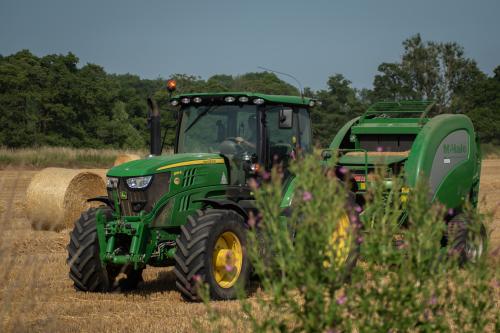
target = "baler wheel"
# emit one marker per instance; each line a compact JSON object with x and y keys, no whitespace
{"x":465,"y":242}
{"x":211,"y":249}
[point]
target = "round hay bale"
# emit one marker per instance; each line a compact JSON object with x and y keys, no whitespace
{"x":122,"y":158}
{"x":100,"y":172}
{"x":56,"y":197}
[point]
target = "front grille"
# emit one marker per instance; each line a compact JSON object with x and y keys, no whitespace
{"x":133,"y":201}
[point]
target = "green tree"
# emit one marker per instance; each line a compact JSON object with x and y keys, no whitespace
{"x":340,"y":103}
{"x":481,"y":102}
{"x":428,"y":70}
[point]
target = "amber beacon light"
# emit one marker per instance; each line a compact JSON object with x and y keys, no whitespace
{"x":171,"y":85}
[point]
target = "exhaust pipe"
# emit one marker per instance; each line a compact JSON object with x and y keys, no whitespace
{"x":154,"y":127}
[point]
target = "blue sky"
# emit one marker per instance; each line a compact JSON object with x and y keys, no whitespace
{"x":309,"y":39}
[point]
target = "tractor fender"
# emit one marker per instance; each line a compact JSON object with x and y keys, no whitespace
{"x":104,"y":200}
{"x":225,"y":204}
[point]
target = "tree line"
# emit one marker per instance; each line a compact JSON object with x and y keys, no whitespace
{"x":52,"y":101}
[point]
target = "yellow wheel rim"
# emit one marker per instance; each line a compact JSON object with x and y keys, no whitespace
{"x":227,"y":259}
{"x":339,"y":244}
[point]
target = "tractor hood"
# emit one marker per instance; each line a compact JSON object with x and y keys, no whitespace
{"x":157,"y":164}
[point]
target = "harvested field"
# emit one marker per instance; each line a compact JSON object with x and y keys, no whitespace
{"x":36,"y":294}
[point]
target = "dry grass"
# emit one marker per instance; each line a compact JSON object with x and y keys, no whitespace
{"x":62,"y":157}
{"x":36,"y":294}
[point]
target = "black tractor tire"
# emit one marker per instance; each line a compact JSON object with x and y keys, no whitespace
{"x":353,"y":210}
{"x":465,"y":244}
{"x":86,"y":269}
{"x":194,"y":255}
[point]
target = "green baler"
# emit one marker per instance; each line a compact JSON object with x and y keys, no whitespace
{"x":402,"y":139}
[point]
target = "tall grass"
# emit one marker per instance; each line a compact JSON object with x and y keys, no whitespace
{"x":61,"y":157}
{"x":404,"y":280}
{"x":490,"y":150}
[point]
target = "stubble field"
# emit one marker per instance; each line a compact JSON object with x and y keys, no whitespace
{"x":37,"y":295}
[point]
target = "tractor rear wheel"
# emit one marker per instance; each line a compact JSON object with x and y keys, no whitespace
{"x":465,"y":242}
{"x":86,"y":269}
{"x":344,"y":245}
{"x":211,"y":249}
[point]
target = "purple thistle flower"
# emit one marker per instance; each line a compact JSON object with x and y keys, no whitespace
{"x":360,"y":239}
{"x":343,"y":170}
{"x":251,"y":220}
{"x":253,"y":184}
{"x":451,"y":211}
{"x":358,"y":209}
{"x":307,"y":196}
{"x":342,"y":300}
{"x":266,"y":175}
{"x":197,"y":278}
{"x":229,"y":268}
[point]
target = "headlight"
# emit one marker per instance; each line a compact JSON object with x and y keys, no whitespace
{"x":139,"y":182}
{"x":111,"y":182}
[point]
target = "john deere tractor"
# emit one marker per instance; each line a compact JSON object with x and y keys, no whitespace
{"x":191,"y":209}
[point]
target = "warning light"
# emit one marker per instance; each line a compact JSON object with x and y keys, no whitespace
{"x":171,"y":85}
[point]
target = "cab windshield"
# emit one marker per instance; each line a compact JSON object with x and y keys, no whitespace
{"x":218,"y":129}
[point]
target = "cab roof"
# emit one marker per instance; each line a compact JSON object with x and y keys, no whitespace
{"x":282,"y":99}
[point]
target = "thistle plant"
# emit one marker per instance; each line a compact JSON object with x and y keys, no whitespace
{"x":406,"y":277}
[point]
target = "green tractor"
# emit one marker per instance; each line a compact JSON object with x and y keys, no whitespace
{"x":191,"y":209}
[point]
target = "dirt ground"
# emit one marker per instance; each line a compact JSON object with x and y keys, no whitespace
{"x":37,"y":295}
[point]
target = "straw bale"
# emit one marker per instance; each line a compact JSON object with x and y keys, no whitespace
{"x":122,"y":158}
{"x":100,"y":172}
{"x":56,"y":197}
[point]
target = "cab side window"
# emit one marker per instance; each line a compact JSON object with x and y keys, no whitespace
{"x":281,"y":140}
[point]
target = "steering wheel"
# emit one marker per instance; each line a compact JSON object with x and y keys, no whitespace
{"x":231,"y":145}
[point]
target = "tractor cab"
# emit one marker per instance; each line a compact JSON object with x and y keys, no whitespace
{"x":252,"y":131}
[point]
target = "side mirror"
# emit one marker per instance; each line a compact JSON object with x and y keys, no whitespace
{"x":286,"y":118}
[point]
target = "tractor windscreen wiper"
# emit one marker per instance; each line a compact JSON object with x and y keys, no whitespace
{"x":201,"y":114}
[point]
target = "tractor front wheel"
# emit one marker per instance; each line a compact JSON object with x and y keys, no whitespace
{"x":86,"y":269}
{"x":211,"y":249}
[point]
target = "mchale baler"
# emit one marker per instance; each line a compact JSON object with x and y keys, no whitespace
{"x":401,"y":139}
